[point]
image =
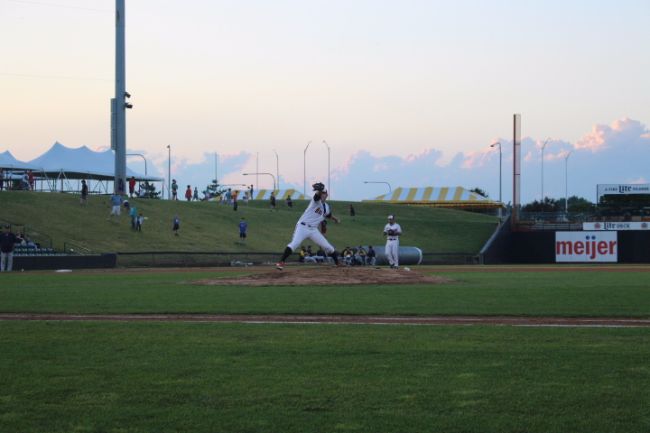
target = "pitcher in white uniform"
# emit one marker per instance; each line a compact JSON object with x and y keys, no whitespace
{"x":392,"y":231}
{"x":308,"y":226}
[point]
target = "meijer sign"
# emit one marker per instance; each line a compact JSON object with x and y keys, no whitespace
{"x":586,"y":247}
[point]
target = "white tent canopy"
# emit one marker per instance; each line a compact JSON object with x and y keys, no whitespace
{"x":9,"y":163}
{"x":80,"y":163}
{"x":61,"y":163}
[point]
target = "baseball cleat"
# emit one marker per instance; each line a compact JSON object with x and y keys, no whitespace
{"x":279,"y":266}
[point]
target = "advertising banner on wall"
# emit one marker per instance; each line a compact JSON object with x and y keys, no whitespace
{"x":622,"y":189}
{"x":586,"y":247}
{"x":606,"y":225}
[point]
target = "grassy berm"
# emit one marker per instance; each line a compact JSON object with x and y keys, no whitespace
{"x":209,"y":226}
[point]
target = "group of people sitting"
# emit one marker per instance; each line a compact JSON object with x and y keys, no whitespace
{"x":358,"y":256}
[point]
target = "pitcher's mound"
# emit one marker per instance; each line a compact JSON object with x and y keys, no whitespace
{"x":327,"y":276}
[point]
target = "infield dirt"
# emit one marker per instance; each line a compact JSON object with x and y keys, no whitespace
{"x":327,"y":276}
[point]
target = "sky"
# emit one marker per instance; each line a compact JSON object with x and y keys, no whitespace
{"x":410,"y":92}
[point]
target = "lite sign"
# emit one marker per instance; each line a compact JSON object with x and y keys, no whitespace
{"x":586,"y":247}
{"x":607,"y":225}
{"x":623,"y":189}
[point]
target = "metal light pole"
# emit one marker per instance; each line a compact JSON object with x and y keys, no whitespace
{"x":390,"y":190}
{"x":543,"y":147}
{"x":498,"y":143}
{"x":566,"y":183}
{"x":329,"y":186}
{"x":277,"y":166}
{"x":304,"y":170}
{"x":169,"y":172}
{"x":119,"y":104}
{"x":258,"y":173}
{"x":141,"y":156}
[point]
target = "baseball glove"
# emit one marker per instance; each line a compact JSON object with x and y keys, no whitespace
{"x":323,"y":227}
{"x":318,"y":186}
{"x":390,"y":232}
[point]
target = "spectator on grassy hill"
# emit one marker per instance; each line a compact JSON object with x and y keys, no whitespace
{"x":139,"y":221}
{"x":2,"y":179}
{"x":133,"y":213}
{"x":131,"y":186}
{"x":252,"y":195}
{"x":24,"y":182}
{"x":176,"y":225}
{"x":289,"y":201}
{"x":272,"y":200}
{"x":84,"y":192}
{"x":116,"y":204}
{"x":353,"y":213}
{"x":7,"y":242}
{"x":174,"y":190}
{"x":243,"y":226}
{"x":188,"y":193}
{"x":195,"y":197}
{"x":30,"y":179}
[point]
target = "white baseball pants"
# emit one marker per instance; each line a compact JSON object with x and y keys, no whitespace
{"x":303,"y":232}
{"x":6,"y":261}
{"x":392,"y":252}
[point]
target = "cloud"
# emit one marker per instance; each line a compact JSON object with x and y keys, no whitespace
{"x":622,"y":132}
{"x":615,"y":153}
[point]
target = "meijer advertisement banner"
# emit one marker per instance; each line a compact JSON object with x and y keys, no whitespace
{"x":586,"y":247}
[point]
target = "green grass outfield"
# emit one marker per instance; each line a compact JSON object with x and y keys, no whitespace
{"x":583,"y":291}
{"x":171,"y":377}
{"x":216,"y":377}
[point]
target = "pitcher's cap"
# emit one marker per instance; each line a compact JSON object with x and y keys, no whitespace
{"x":391,"y":217}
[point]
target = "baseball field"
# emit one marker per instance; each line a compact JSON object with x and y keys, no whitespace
{"x":440,"y":349}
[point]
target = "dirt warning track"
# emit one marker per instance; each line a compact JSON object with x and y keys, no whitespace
{"x":580,"y":322}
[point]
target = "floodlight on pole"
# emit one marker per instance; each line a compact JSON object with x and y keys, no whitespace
{"x":304,"y":169}
{"x":141,"y":156}
{"x":543,"y":147}
{"x":169,"y":172}
{"x":329,"y":186}
{"x":258,"y":173}
{"x":498,"y":143}
{"x":277,"y":167}
{"x":390,"y":190}
{"x":566,"y":182}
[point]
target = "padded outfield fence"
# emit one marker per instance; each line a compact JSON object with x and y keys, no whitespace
{"x":206,"y":258}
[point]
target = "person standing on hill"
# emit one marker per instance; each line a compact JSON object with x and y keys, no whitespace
{"x":243,"y":226}
{"x":195,"y":197}
{"x":174,"y":190}
{"x":84,"y":192}
{"x":308,"y":226}
{"x":7,"y":242}
{"x":272,"y":200}
{"x":392,"y":231}
{"x":133,"y":213}
{"x":188,"y":193}
{"x":131,"y":186}
{"x":30,"y":180}
{"x":116,"y":204}
{"x":176,"y":225}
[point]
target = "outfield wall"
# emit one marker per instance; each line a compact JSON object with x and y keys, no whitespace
{"x":540,"y":247}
